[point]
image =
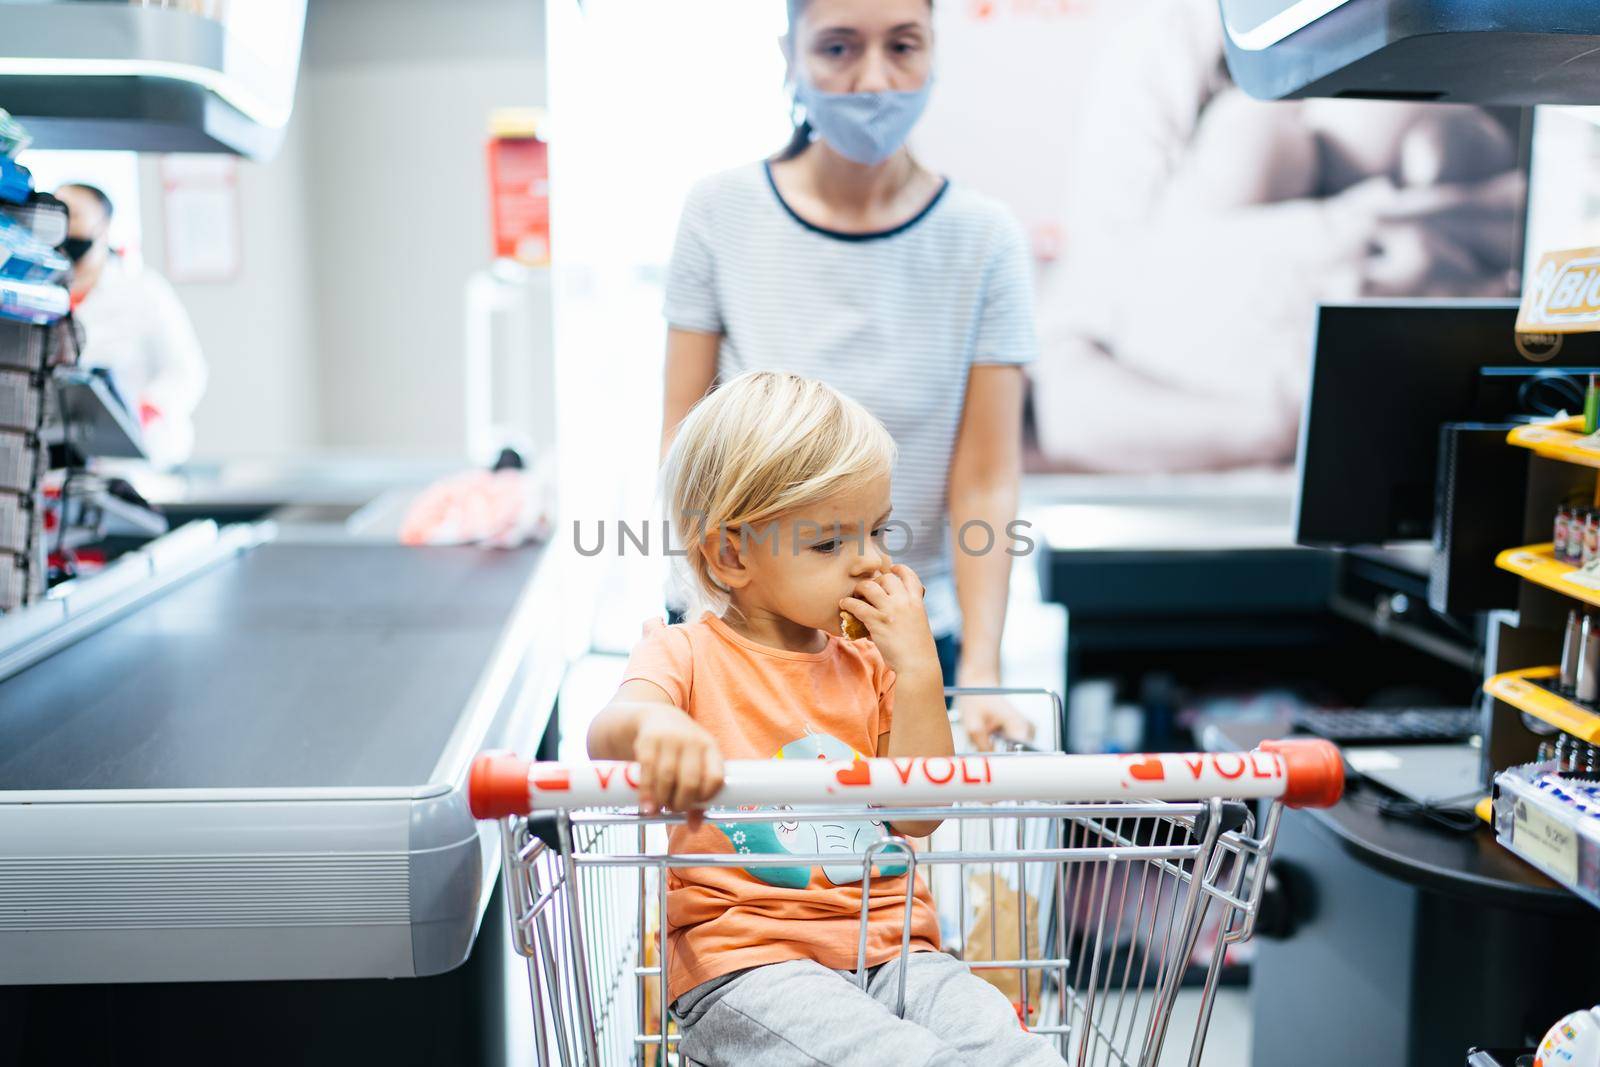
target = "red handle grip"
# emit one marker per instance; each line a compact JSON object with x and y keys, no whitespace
{"x":498,"y":785}
{"x":1315,"y":771}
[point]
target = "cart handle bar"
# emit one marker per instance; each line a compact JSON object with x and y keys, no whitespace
{"x":1301,"y":773}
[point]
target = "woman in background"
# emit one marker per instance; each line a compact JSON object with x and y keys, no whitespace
{"x":844,"y":259}
{"x":135,"y":329}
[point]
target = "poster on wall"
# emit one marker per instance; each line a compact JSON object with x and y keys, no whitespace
{"x":1186,"y":233}
{"x":200,"y":209}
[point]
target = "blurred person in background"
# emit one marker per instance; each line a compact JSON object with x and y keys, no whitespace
{"x":1206,"y":226}
{"x":134,"y":329}
{"x":844,"y":259}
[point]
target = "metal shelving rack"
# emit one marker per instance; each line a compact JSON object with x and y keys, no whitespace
{"x":1547,"y":810}
{"x":33,"y":329}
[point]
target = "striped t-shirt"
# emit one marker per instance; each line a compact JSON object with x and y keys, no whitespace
{"x":892,"y":319}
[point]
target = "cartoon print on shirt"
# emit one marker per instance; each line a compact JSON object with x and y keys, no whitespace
{"x":844,"y":837}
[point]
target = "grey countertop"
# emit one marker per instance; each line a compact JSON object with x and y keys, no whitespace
{"x":294,"y":665}
{"x":1235,"y":510}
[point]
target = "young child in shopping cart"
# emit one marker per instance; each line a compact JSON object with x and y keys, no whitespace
{"x":780,"y":489}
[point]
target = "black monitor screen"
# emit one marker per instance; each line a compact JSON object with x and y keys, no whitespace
{"x":1384,"y":378}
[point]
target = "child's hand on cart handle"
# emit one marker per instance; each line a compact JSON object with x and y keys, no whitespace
{"x":680,"y":768}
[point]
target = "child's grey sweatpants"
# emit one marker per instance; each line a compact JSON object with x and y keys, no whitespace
{"x":801,"y":1014}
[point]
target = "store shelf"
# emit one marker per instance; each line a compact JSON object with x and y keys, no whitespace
{"x":152,"y":77}
{"x":1552,"y":822}
{"x":1564,"y":441}
{"x":1538,"y":564}
{"x":1521,"y":689}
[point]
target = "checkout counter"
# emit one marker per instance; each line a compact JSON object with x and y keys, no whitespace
{"x":1183,"y":581}
{"x":1385,"y":938}
{"x":1389,"y":938}
{"x":241,"y":788}
{"x":1392,"y":931}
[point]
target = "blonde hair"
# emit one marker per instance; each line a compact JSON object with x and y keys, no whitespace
{"x":754,"y":450}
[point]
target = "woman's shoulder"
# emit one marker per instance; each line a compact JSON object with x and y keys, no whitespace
{"x":972,"y":209}
{"x":734,"y":185}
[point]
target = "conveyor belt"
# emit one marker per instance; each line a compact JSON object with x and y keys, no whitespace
{"x":293,"y":666}
{"x":258,"y":775}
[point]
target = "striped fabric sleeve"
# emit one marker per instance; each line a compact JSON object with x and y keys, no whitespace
{"x":691,"y":276}
{"x":1006,"y":332}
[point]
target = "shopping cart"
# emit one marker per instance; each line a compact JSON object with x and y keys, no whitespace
{"x":1079,"y":884}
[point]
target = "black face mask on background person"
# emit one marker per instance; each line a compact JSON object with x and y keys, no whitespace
{"x":75,"y":248}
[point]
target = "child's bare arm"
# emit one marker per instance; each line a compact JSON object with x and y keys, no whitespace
{"x":680,"y":767}
{"x":891,"y":609}
{"x":921,"y":727}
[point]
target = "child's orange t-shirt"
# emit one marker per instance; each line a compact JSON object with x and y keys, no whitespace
{"x":767,"y":703}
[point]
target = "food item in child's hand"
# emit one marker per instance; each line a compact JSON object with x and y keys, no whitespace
{"x":851,"y":627}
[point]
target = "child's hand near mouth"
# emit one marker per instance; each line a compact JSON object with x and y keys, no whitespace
{"x":890,"y":607}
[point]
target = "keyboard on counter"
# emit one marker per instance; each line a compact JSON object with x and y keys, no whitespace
{"x":1351,"y":726}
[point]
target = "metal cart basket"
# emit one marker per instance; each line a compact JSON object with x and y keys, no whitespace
{"x":1079,"y":885}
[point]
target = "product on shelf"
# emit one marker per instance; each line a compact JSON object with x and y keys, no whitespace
{"x":25,"y":258}
{"x":32,"y":225}
{"x":1572,"y":1042}
{"x":1549,"y":814}
{"x":13,"y":136}
{"x":43,"y":216}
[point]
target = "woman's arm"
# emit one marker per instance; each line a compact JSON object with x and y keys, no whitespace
{"x":985,"y":483}
{"x":691,"y":368}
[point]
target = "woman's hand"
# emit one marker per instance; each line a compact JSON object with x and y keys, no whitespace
{"x":890,"y":607}
{"x":680,"y":768}
{"x":984,"y":716}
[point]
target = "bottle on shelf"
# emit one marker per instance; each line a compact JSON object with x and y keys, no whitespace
{"x":1571,"y":653}
{"x":1586,"y":687}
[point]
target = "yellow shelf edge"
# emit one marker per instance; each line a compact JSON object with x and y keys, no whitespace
{"x":1537,"y":564}
{"x":1517,"y":689}
{"x":1558,"y":441}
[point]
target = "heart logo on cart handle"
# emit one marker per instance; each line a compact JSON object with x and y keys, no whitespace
{"x":556,"y":780}
{"x":1148,"y":769}
{"x":858,"y":772}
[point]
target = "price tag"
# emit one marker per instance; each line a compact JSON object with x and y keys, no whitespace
{"x":1546,"y":842}
{"x":1587,"y":576}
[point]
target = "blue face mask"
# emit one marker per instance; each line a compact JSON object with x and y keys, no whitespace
{"x":864,"y":128}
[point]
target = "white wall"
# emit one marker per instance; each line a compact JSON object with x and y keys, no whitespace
{"x":257,"y":330}
{"x":398,"y":98}
{"x":343,"y":328}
